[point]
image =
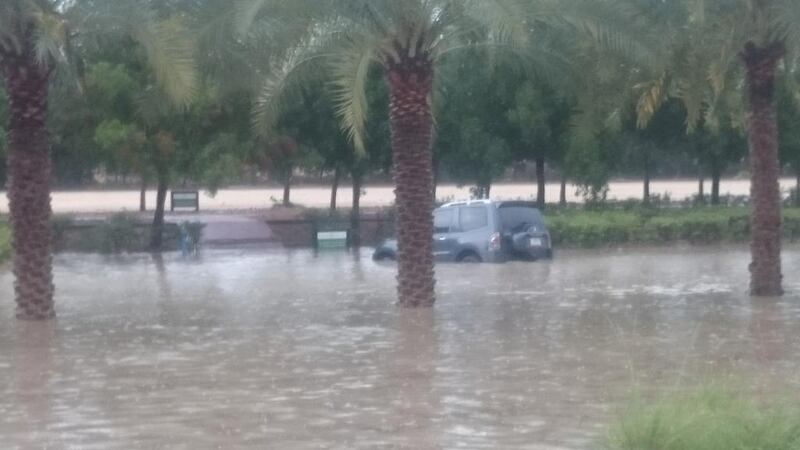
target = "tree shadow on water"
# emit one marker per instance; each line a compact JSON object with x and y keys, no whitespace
{"x":33,"y":370}
{"x":416,"y":403}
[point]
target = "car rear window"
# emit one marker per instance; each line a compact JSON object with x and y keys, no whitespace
{"x":473,"y":218}
{"x":519,"y":218}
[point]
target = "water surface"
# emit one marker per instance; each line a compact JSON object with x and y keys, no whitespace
{"x":275,"y":349}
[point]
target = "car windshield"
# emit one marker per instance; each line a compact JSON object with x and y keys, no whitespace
{"x":519,"y":218}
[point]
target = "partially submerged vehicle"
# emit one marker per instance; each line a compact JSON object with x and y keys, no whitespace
{"x":484,"y":231}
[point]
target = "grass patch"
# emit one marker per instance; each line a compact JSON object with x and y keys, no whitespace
{"x":5,"y":242}
{"x":702,"y":225}
{"x":707,"y":419}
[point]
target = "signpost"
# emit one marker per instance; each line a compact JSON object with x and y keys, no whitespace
{"x":185,"y":199}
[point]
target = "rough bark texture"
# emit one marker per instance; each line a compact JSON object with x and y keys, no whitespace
{"x":157,"y":232}
{"x":335,"y":188}
{"x":29,"y":169}
{"x":355,"y":213}
{"x":762,"y":133}
{"x":541,"y":199}
{"x":562,"y":196}
{"x":409,"y":82}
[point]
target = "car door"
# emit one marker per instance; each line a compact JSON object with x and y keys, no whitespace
{"x":444,"y":241}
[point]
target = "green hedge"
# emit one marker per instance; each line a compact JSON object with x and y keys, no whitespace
{"x":5,"y":242}
{"x":598,"y":228}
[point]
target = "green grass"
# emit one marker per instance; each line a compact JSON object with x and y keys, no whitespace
{"x":707,"y":419}
{"x":598,"y":228}
{"x":5,"y":242}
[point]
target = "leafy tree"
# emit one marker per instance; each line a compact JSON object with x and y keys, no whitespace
{"x":788,"y":119}
{"x":540,"y":119}
{"x":472,"y":139}
{"x":3,"y":136}
{"x":717,"y":149}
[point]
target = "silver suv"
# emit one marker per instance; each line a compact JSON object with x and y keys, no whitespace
{"x":484,"y":231}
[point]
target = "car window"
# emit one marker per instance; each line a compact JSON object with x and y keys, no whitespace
{"x":442,"y":220}
{"x":473,"y":218}
{"x":519,"y":218}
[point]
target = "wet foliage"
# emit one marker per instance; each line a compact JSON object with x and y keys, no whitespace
{"x":120,"y":233}
{"x":703,"y":225}
{"x":5,"y":242}
{"x":709,"y":418}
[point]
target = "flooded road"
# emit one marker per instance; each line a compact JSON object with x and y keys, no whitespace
{"x":288,"y":350}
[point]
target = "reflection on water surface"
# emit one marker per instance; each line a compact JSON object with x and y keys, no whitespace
{"x":291,"y":350}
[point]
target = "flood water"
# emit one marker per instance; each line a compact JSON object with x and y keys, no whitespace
{"x":288,"y":350}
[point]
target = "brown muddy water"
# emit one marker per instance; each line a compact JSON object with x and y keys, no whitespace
{"x":291,"y":350}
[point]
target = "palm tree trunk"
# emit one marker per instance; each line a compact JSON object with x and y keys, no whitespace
{"x":335,"y":187}
{"x":540,"y":183}
{"x":157,"y":232}
{"x":29,"y":169}
{"x":761,"y":119}
{"x":355,"y":213}
{"x":562,"y":195}
{"x":410,"y":118}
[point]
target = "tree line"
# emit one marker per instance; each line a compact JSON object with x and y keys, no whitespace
{"x":208,"y":91}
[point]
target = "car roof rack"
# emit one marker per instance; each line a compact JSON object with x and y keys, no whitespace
{"x":467,"y":203}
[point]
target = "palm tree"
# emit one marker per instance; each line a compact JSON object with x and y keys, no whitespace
{"x":703,"y":73}
{"x":35,"y":38}
{"x":407,"y":40}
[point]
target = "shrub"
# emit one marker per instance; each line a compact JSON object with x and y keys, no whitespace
{"x":791,"y":224}
{"x":650,"y":225}
{"x":593,"y":228}
{"x":119,"y":234}
{"x":5,"y":242}
{"x":706,"y":419}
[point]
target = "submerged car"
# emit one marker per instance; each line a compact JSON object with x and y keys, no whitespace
{"x":484,"y":231}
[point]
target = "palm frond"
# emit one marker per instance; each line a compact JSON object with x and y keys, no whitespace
{"x":653,"y":95}
{"x":614,"y":26}
{"x":50,"y":37}
{"x":350,"y":73}
{"x":285,"y":75}
{"x":787,"y":21}
{"x":508,"y":21}
{"x":170,"y":53}
{"x":246,"y":13}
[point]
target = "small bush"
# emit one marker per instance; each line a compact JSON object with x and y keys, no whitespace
{"x":119,"y":234}
{"x":706,"y":419}
{"x":5,"y":242}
